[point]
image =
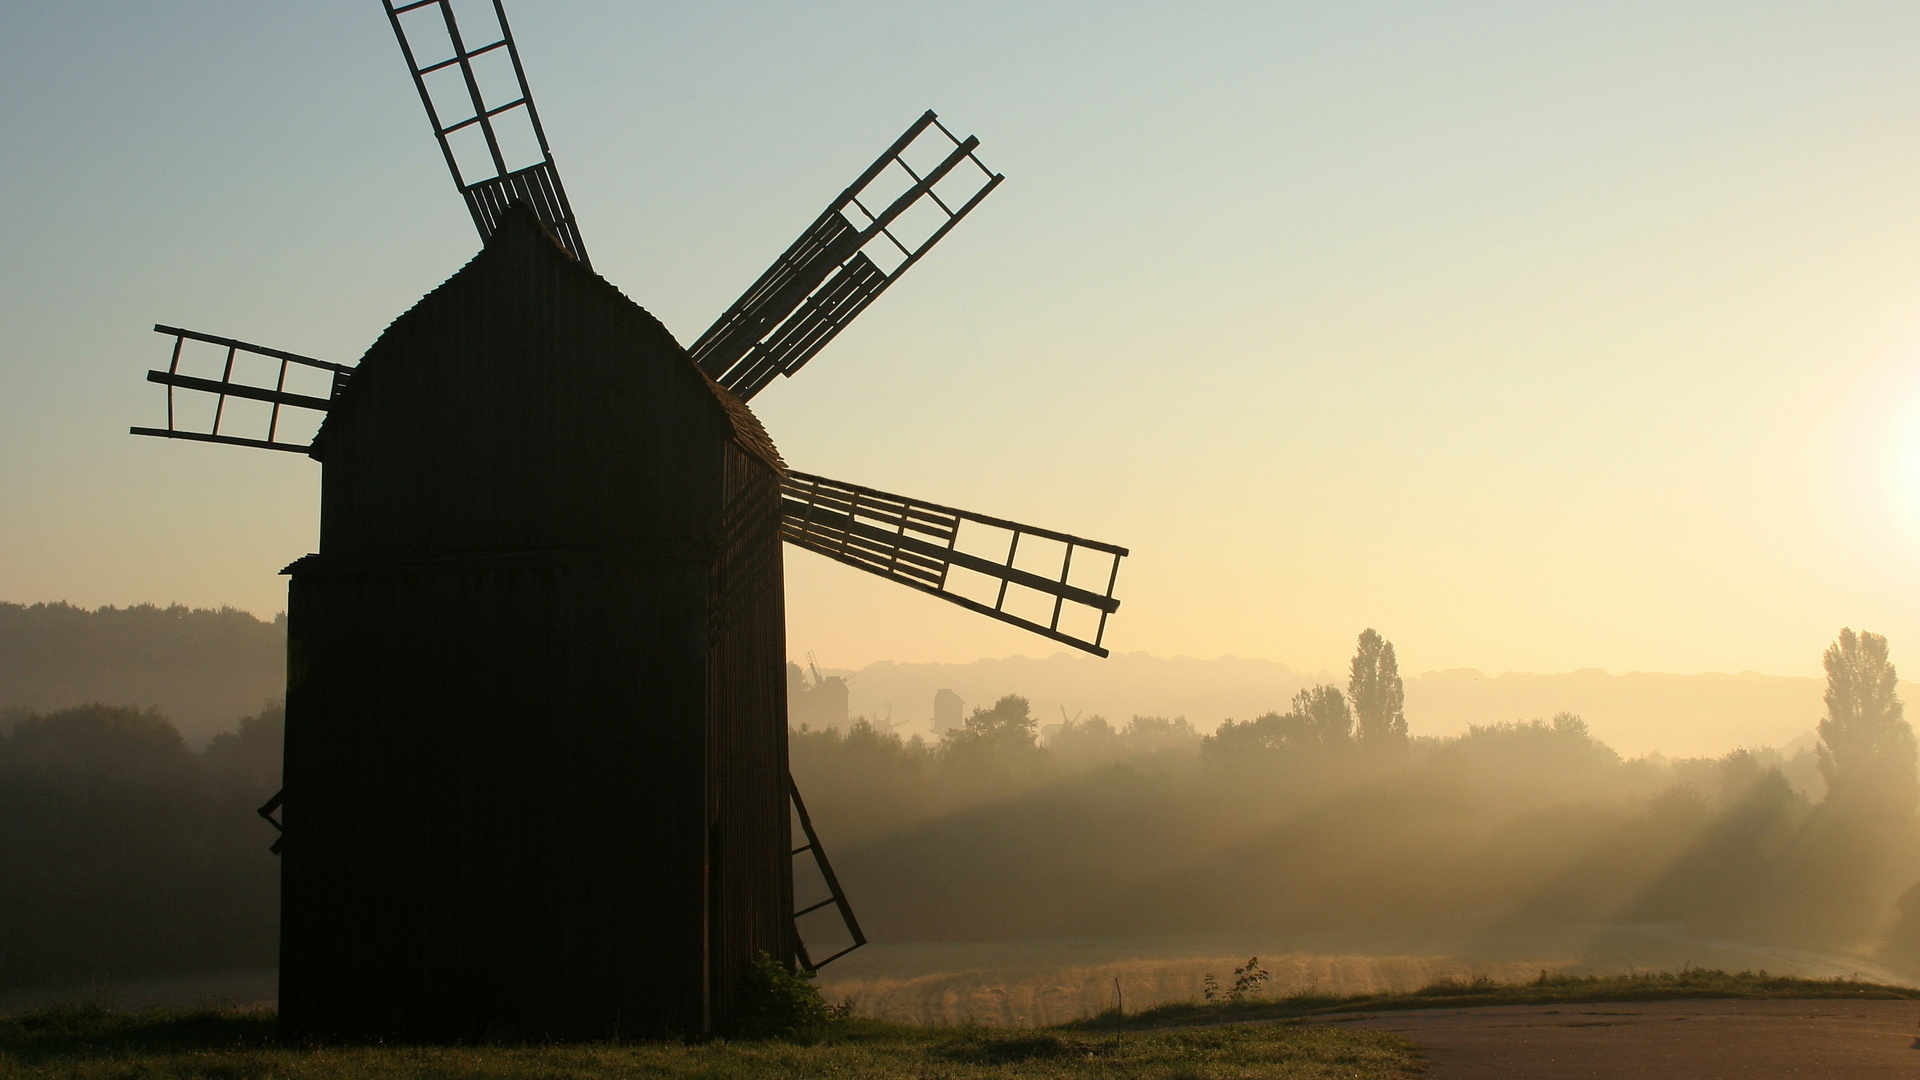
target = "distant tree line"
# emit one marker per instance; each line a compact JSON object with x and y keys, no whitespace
{"x":124,"y":854}
{"x":200,"y":667}
{"x":1370,"y":717}
{"x":1328,"y":815}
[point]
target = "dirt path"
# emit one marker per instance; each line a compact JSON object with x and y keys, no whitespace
{"x":1684,"y":1040}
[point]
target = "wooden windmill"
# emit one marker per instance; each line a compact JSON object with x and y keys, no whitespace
{"x":536,"y":765}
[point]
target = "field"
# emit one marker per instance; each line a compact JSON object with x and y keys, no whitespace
{"x":1271,"y":1037}
{"x":1546,"y":989}
{"x":1040,"y":983}
{"x":93,"y":1044}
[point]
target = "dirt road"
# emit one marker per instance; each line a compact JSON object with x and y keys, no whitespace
{"x":1683,"y":1040}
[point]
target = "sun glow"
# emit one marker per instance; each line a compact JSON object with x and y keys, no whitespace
{"x":1906,"y":471}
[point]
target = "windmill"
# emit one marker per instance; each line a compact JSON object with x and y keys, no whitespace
{"x":536,"y":777}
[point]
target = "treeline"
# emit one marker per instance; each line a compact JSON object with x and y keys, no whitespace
{"x":123,"y":853}
{"x":200,"y":667}
{"x":1327,"y":816}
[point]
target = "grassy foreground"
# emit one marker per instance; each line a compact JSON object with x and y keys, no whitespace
{"x":1173,"y":1042}
{"x":1548,"y":989}
{"x":222,"y":1045}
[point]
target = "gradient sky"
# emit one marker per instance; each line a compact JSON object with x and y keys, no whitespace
{"x":1539,"y":336}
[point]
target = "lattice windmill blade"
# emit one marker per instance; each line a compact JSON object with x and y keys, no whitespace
{"x":836,"y":897}
{"x":879,"y":226}
{"x":482,"y":112}
{"x":1055,"y":584}
{"x":536,"y":472}
{"x":232,"y":383}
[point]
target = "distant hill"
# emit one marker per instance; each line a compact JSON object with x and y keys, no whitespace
{"x":207,"y":668}
{"x":204,"y":669}
{"x":1635,"y":713}
{"x":1204,"y":691}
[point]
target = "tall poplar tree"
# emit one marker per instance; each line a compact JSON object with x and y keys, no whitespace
{"x":1379,"y":699}
{"x":1866,"y":743}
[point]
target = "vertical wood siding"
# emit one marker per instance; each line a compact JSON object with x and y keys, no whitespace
{"x":750,"y":876}
{"x":536,"y":757}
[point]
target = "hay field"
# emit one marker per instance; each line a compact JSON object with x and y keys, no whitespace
{"x":1016,"y":998}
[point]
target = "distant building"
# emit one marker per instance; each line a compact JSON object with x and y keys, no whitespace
{"x":947,"y":708}
{"x":817,"y":702}
{"x":829,"y":704}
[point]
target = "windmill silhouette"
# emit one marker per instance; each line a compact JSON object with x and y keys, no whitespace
{"x":536,"y":774}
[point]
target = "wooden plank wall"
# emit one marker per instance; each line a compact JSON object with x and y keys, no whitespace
{"x":750,"y":879}
{"x":536,"y":757}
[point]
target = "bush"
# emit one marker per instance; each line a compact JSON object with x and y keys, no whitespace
{"x":777,"y":1002}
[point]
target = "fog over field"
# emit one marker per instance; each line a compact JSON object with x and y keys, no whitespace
{"x":1074,"y":822}
{"x":1636,"y":713}
{"x":204,"y":669}
{"x":1495,"y":427}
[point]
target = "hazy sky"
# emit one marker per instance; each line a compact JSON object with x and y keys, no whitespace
{"x":1537,"y":335}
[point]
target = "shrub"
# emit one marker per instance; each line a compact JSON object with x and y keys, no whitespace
{"x":778,"y":1002}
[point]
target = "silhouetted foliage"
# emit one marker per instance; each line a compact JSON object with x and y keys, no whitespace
{"x":1275,"y":824}
{"x":778,"y":1002}
{"x":1005,"y":731}
{"x":1379,"y":699}
{"x":1144,"y":741}
{"x":126,"y":854}
{"x":1248,"y":978}
{"x":1865,"y":740}
{"x":1319,"y":723}
{"x":201,"y":668}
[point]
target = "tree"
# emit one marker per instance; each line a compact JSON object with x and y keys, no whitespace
{"x":1006,"y":733}
{"x":123,"y":853}
{"x":1148,"y":734}
{"x":1378,"y":696}
{"x":1866,"y":743}
{"x":1318,"y":721}
{"x":1850,"y":861}
{"x":1324,"y":718}
{"x":1086,"y":742}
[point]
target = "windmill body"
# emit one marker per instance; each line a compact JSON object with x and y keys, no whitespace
{"x":536,"y":735}
{"x":536,"y":769}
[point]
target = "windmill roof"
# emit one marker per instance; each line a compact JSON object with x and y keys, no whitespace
{"x":521,"y":230}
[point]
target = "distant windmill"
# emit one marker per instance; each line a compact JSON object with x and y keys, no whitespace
{"x":536,"y":765}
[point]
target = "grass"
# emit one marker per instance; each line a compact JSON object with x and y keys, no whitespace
{"x":1547,"y":989}
{"x":94,"y":1044}
{"x":1172,"y":1042}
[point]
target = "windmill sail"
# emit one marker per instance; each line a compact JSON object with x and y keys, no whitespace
{"x":470,"y":79}
{"x":880,"y":225}
{"x":230,"y":383}
{"x":836,"y":896}
{"x":1057,"y":585}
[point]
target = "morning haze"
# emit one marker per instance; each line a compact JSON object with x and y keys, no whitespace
{"x":1501,"y":421}
{"x":1546,"y":338}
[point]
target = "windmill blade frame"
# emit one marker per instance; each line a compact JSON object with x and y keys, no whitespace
{"x":831,"y":274}
{"x":228,"y":386}
{"x":578,"y":488}
{"x":919,"y":544}
{"x":836,"y":897}
{"x":501,"y":170}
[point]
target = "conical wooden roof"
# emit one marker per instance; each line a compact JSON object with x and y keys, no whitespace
{"x":526,"y":403}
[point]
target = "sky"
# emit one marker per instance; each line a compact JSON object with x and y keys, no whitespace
{"x":1539,"y":336}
